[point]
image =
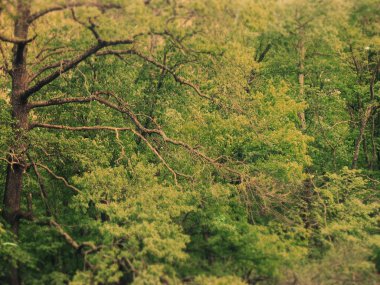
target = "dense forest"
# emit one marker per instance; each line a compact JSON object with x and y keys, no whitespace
{"x":190,"y":142}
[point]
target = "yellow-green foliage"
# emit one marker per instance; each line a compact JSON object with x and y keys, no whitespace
{"x":210,"y":178}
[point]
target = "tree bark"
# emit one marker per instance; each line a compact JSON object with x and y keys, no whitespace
{"x":301,"y":71}
{"x":359,"y":140}
{"x":17,"y":153}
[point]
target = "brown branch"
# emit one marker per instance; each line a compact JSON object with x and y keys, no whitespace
{"x":91,"y":27}
{"x":7,"y":39}
{"x":116,"y":130}
{"x":264,"y":53}
{"x":363,"y":125}
{"x":68,"y":65}
{"x":46,"y":68}
{"x":6,"y":160}
{"x":164,"y":137}
{"x":53,"y":52}
{"x":46,"y":11}
{"x":176,"y":77}
{"x":49,"y":49}
{"x":42,"y":187}
{"x":155,"y":151}
{"x":61,"y":101}
{"x":356,"y":64}
{"x":115,"y":52}
{"x":71,"y":241}
{"x":123,"y":109}
{"x":67,"y":184}
{"x":64,"y":234}
{"x":122,"y":148}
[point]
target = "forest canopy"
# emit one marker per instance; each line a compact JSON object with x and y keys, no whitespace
{"x":190,"y":142}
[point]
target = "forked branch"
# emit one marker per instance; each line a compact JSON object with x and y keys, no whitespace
{"x":62,"y":7}
{"x":122,"y":107}
{"x":108,"y":128}
{"x":67,"y":184}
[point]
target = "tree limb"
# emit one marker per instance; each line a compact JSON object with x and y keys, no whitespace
{"x":176,"y":77}
{"x":67,"y":184}
{"x":115,"y":129}
{"x":68,"y":65}
{"x":42,"y":187}
{"x":46,"y":11}
{"x":64,"y":234}
{"x":7,"y":39}
{"x":122,"y":108}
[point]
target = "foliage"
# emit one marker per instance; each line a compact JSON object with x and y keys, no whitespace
{"x":179,"y":156}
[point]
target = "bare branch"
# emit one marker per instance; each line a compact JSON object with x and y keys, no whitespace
{"x":46,"y":11}
{"x":67,"y":184}
{"x":115,"y":52}
{"x":122,"y":148}
{"x":64,"y":234}
{"x":46,"y":68}
{"x":42,"y":187}
{"x":49,"y":49}
{"x":51,"y":52}
{"x":176,"y":77}
{"x":116,"y":130}
{"x":68,"y":65}
{"x":122,"y":108}
{"x":159,"y":132}
{"x":262,"y":55}
{"x":91,"y":27}
{"x":61,"y":101}
{"x":7,"y":39}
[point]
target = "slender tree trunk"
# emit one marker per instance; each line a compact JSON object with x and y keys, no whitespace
{"x":301,"y":72}
{"x":363,"y":125}
{"x":365,"y":150}
{"x":375,"y":75}
{"x":373,"y":144}
{"x":17,"y":153}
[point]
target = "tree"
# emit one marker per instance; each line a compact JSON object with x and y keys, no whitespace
{"x":160,"y":142}
{"x":27,"y":82}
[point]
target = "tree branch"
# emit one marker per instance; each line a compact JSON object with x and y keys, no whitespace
{"x":176,"y":77}
{"x":4,"y":38}
{"x":264,"y":53}
{"x":159,"y":132}
{"x":42,"y":187}
{"x":116,"y":130}
{"x":61,"y":101}
{"x":64,"y":234}
{"x":67,"y":184}
{"x":91,"y":27}
{"x":122,"y":108}
{"x":68,"y":65}
{"x":46,"y":11}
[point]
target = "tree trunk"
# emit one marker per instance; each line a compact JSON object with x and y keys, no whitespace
{"x":363,"y":125}
{"x":16,"y":168}
{"x":301,"y":72}
{"x":17,"y":153}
